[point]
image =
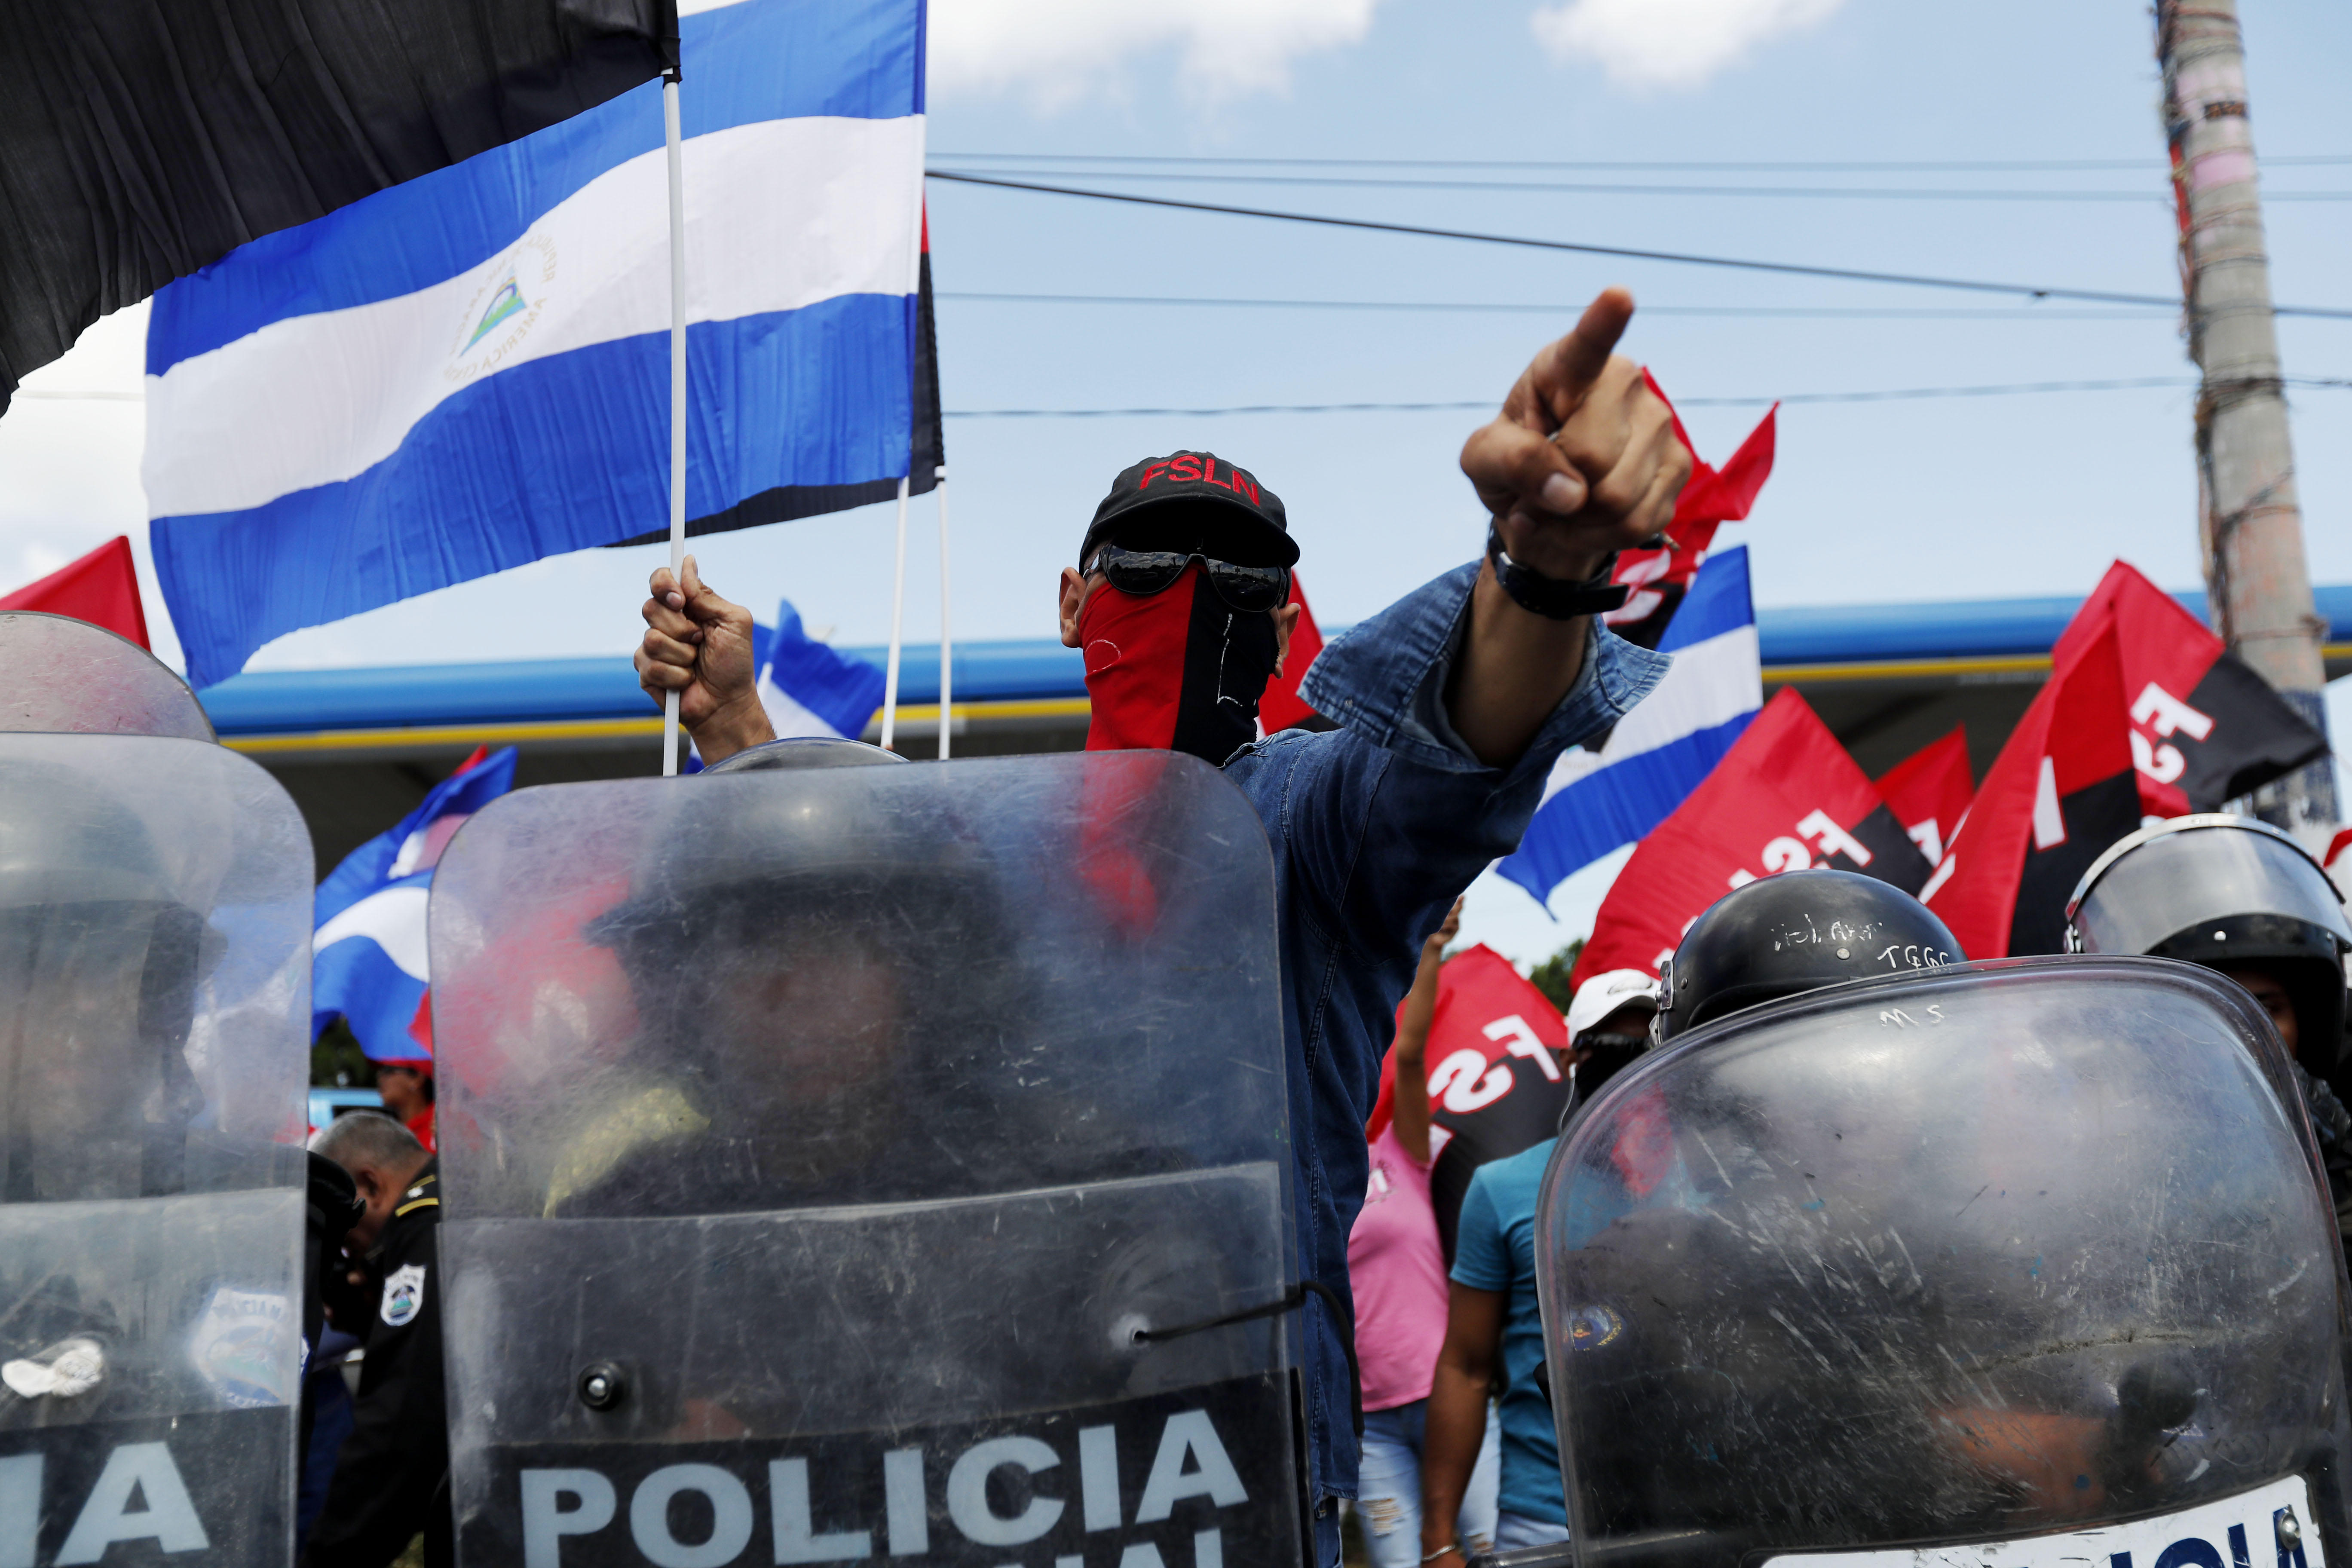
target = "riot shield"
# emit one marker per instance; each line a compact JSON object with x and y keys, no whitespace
{"x":68,"y":676}
{"x":848,"y":1161}
{"x":155,"y":1016}
{"x":2028,"y":1262}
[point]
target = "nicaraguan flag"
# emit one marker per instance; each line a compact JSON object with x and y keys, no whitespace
{"x":368,"y":952}
{"x":1664,"y":748}
{"x":471,"y":371}
{"x":809,"y":689}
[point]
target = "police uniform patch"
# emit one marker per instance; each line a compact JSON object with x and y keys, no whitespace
{"x":1589,"y":1328}
{"x":403,"y":1294}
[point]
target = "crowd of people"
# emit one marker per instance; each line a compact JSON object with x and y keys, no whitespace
{"x":1430,"y":1343}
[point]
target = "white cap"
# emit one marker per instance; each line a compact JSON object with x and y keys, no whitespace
{"x":1604,"y":994}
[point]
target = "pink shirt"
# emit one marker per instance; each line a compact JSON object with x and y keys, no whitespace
{"x":1398,"y":1275}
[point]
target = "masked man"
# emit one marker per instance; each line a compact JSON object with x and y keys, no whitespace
{"x":1453,"y":704}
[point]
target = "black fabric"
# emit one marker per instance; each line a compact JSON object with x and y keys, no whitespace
{"x":1517,"y":1121}
{"x":1228,"y":660}
{"x":390,"y":1476}
{"x":789,"y":503}
{"x":2332,"y":1123}
{"x":147,"y":138}
{"x":1645,"y":631}
{"x":2095,"y":816}
{"x":2257,"y":736}
{"x":1894,"y":855}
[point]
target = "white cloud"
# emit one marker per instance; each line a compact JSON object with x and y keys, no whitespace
{"x":1063,"y":51}
{"x":1669,"y":43}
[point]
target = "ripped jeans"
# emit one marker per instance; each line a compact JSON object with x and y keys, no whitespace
{"x":1388,"y":1496}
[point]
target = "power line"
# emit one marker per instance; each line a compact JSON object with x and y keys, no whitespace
{"x":2024,"y":165}
{"x":1842,"y":274}
{"x":2139,"y":384}
{"x":1792,"y":312}
{"x":2160,"y":194}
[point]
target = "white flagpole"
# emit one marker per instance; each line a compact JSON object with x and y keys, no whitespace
{"x":677,"y":383}
{"x":899,"y":576}
{"x":897,"y":623}
{"x":947,"y":643}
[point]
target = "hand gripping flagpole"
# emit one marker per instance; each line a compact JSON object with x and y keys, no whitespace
{"x":677,"y":381}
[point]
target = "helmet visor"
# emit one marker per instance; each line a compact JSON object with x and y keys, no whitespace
{"x":2177,"y":880}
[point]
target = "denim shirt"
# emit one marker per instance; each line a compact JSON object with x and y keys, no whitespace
{"x":1376,"y":828}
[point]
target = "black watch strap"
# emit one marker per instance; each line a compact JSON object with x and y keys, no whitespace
{"x":1550,"y":597}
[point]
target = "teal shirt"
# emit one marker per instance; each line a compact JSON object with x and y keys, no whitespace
{"x":1494,"y":1249}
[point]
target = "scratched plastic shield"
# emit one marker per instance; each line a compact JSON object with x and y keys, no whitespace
{"x":68,"y":676}
{"x":2019,"y":1250}
{"x":156,"y":901}
{"x":828,"y":1153}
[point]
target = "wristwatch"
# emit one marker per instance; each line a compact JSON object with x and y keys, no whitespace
{"x":1549,"y":596}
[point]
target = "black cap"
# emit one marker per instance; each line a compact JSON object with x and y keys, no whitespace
{"x":1794,"y":932}
{"x":1197,"y":479}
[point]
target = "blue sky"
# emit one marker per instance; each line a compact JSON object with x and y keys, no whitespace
{"x":1924,"y":499}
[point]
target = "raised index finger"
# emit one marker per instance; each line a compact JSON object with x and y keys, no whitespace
{"x":1566,"y":370}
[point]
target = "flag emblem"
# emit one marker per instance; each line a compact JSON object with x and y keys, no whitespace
{"x":504,"y":303}
{"x":403,"y":1293}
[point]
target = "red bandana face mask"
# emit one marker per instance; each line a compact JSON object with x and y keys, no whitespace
{"x":1179,"y":671}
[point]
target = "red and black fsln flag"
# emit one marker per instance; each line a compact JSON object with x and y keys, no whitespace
{"x":2205,"y":728}
{"x":2060,"y":793}
{"x":144,"y":139}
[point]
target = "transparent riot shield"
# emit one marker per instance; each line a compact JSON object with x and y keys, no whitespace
{"x":154,"y":1016}
{"x":850,"y":1161}
{"x":2022,"y":1263}
{"x":68,"y":676}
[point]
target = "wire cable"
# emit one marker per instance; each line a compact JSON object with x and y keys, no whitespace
{"x":1975,"y":165}
{"x":2159,"y":194}
{"x":2137,"y":384}
{"x":1792,"y":312}
{"x":1792,"y":269}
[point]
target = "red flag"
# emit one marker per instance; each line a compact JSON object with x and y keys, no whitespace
{"x":2205,"y":728}
{"x":1494,"y":1085}
{"x":1786,"y":797}
{"x":1660,"y":577}
{"x":1280,"y":707}
{"x":102,"y":588}
{"x":2058,"y":795}
{"x":1929,"y":791}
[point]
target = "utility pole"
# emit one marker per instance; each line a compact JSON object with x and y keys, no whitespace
{"x":2258,"y":582}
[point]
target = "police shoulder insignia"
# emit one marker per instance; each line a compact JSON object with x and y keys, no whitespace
{"x":1591,"y":1327}
{"x":403,"y":1294}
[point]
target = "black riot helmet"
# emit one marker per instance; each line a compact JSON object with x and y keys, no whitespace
{"x":1797,"y":932}
{"x":2217,"y":889}
{"x":803,"y":752}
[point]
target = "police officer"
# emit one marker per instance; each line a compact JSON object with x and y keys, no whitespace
{"x":154,"y":899}
{"x":390,"y":1479}
{"x":1768,"y":940}
{"x":1920,"y":1262}
{"x":2240,"y":897}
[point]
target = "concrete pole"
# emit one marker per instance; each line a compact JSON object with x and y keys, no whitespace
{"x":2251,"y":525}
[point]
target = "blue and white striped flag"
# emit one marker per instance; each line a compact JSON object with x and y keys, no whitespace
{"x":1664,"y":748}
{"x":471,"y":371}
{"x":368,"y":958}
{"x":810,"y":689}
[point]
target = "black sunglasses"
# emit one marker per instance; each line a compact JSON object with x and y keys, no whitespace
{"x":1252,"y":590}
